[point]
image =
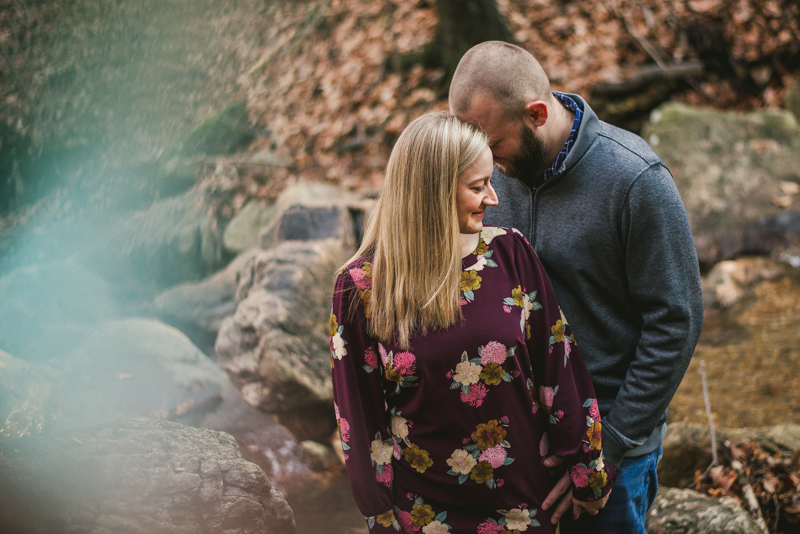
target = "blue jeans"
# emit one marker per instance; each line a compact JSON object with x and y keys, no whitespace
{"x":631,"y":496}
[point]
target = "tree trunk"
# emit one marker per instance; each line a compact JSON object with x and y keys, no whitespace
{"x":462,"y":25}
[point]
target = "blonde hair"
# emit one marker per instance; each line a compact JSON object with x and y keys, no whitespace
{"x":413,"y":232}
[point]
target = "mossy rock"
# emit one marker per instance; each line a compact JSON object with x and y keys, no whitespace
{"x":224,"y":133}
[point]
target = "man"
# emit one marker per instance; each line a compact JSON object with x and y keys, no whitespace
{"x":604,"y":215}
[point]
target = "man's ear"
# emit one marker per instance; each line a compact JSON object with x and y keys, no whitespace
{"x":537,"y":112}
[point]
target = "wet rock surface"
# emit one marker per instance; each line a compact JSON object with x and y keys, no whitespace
{"x":138,"y":476}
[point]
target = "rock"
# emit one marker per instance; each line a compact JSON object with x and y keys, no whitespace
{"x":242,"y":231}
{"x":322,"y":457}
{"x":198,"y":309}
{"x":172,"y":242}
{"x":276,"y":347}
{"x":737,"y":174}
{"x":683,"y":511}
{"x":687,"y":447}
{"x":137,"y":476}
{"x":224,"y":133}
{"x":729,"y":281}
{"x":31,"y":397}
{"x":309,"y":211}
{"x":792,"y":99}
{"x":134,"y":367}
{"x":45,"y":309}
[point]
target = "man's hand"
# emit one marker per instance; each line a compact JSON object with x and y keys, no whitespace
{"x":592,"y":506}
{"x":562,"y":487}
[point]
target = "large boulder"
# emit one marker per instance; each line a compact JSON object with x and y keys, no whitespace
{"x":174,"y":241}
{"x":737,"y":174}
{"x":138,"y":477}
{"x":30,"y":397}
{"x":134,"y":367}
{"x":687,"y":447}
{"x":683,"y":511}
{"x":198,"y":308}
{"x":276,"y":347}
{"x":46,"y":309}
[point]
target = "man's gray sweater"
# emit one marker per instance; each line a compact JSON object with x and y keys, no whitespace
{"x":613,"y":235}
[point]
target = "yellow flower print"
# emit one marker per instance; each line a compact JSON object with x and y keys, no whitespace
{"x":385,"y":519}
{"x":367,"y":269}
{"x":366,"y":298}
{"x":482,"y":472}
{"x":392,"y":374}
{"x":418,"y":458}
{"x":334,"y":324}
{"x":518,"y":296}
{"x":527,"y":331}
{"x":558,"y":332}
{"x":481,"y":248}
{"x":487,"y":435}
{"x":421,"y":514}
{"x":595,"y":436}
{"x":597,"y":481}
{"x":470,"y":281}
{"x":492,"y":374}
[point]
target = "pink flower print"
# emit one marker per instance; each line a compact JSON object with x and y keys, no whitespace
{"x":579,"y":475}
{"x":370,"y":359}
{"x":386,"y":477}
{"x":345,"y":426}
{"x":489,"y":527}
{"x":499,"y":482}
{"x":544,"y":446}
{"x":405,"y":363}
{"x":493,"y":352}
{"x":336,"y":410}
{"x":506,"y":308}
{"x":404,"y":518}
{"x":546,"y":394}
{"x":361,"y":281}
{"x":396,"y":451}
{"x":559,"y":414}
{"x":495,"y":456}
{"x":477,"y":392}
{"x":504,"y":420}
{"x":594,"y":411}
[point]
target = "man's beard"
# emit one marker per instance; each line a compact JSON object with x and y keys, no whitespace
{"x":531,"y":159}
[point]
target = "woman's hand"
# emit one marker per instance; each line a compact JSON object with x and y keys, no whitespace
{"x":592,"y":507}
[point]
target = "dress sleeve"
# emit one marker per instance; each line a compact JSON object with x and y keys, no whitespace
{"x":561,"y":382}
{"x":359,"y":402}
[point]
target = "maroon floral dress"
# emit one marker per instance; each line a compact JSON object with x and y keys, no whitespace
{"x":449,"y":436}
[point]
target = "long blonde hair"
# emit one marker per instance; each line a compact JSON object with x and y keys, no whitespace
{"x":413,"y":231}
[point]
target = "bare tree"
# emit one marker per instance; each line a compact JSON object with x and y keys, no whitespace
{"x":462,"y":25}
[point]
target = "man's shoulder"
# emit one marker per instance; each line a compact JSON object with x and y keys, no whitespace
{"x":625,"y":144}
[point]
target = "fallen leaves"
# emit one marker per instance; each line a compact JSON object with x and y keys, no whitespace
{"x":751,"y":474}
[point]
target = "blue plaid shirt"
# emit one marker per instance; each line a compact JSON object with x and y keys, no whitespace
{"x":570,"y":104}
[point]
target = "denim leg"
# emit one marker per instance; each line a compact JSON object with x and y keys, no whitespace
{"x":626,"y":510}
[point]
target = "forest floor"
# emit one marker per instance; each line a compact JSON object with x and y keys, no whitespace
{"x":752,"y":359}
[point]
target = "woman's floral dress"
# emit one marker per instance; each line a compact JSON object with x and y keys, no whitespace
{"x":450,"y":435}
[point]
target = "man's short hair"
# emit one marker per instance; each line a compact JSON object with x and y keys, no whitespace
{"x":506,"y":72}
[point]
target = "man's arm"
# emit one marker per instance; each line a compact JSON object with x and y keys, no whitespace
{"x":664,"y":284}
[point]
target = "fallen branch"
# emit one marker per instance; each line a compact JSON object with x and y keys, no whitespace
{"x":715,"y":459}
{"x":647,"y":75}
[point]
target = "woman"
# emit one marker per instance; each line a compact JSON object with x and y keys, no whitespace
{"x":454,"y":371}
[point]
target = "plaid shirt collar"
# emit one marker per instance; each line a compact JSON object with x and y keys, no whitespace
{"x":571,"y":105}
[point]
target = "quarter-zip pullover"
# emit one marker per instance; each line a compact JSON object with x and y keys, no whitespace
{"x":613,"y":235}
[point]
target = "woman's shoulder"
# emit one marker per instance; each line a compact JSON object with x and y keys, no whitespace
{"x":359,"y":271}
{"x":502,"y":236}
